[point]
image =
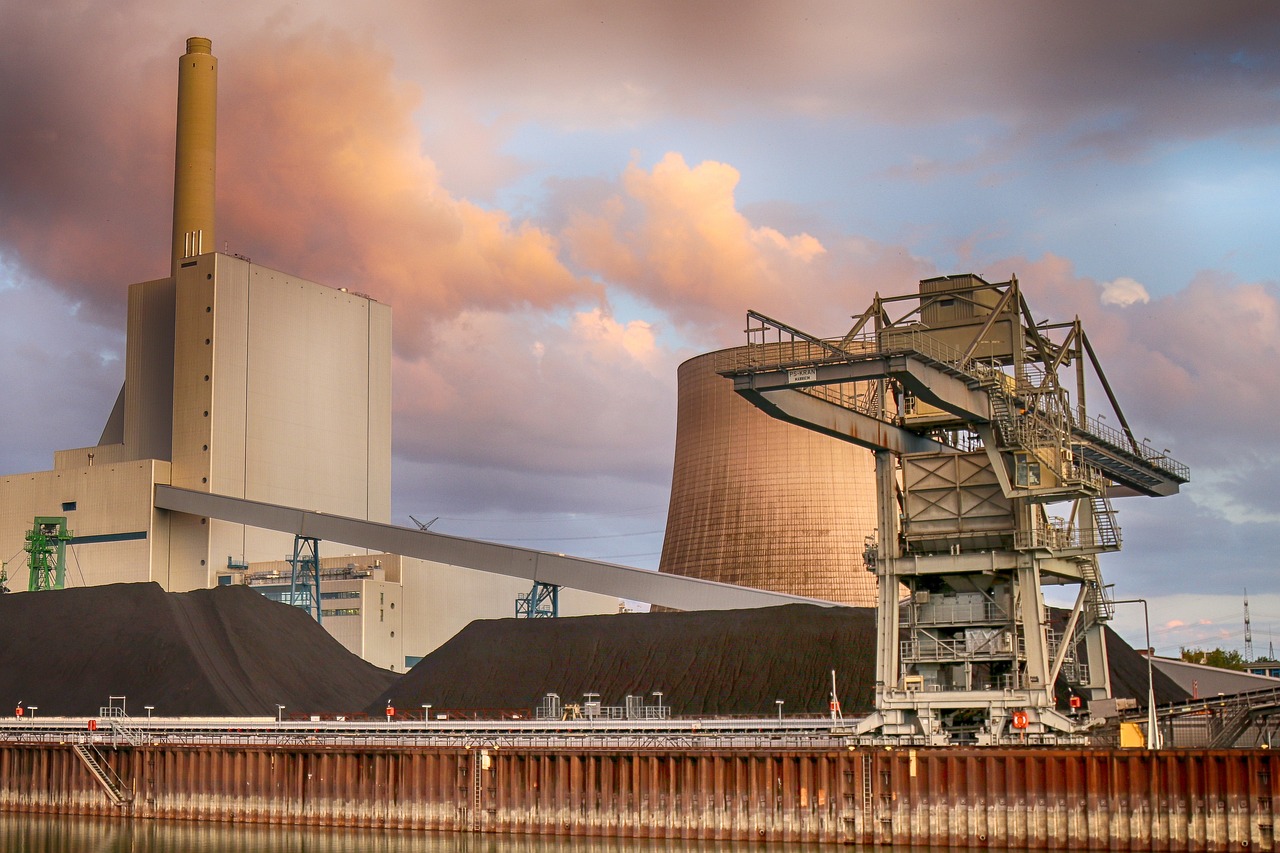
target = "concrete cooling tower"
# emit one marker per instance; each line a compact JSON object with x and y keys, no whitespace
{"x":759,"y":502}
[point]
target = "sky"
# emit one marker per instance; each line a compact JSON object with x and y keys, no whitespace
{"x":562,"y":200}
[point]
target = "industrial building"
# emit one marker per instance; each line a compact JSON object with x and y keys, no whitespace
{"x":757,"y":502}
{"x":246,"y":382}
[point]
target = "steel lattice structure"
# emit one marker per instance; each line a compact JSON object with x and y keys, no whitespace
{"x":992,"y":481}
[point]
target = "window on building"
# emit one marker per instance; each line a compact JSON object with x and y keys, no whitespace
{"x":1026,"y":471}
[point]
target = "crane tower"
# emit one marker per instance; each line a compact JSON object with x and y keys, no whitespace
{"x":47,"y":553}
{"x":992,"y":482}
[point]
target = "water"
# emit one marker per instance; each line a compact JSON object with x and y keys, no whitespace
{"x":21,"y":833}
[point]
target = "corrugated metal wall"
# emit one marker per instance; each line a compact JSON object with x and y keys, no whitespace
{"x":1191,"y":800}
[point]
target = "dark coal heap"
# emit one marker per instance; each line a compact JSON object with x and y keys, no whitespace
{"x":226,"y":651}
{"x":705,"y":663}
{"x":231,"y":652}
{"x":736,"y":662}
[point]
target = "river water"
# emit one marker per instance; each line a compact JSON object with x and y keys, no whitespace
{"x":20,"y":833}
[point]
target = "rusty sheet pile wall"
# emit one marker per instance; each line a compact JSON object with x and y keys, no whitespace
{"x":1031,"y":798}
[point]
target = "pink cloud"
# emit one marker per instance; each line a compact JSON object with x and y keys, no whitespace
{"x":335,"y":145}
{"x":321,"y":172}
{"x":675,"y":236}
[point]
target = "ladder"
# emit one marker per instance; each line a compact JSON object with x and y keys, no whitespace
{"x":477,"y":788}
{"x":101,"y":771}
{"x":868,"y":795}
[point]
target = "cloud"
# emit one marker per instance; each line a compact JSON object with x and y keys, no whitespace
{"x":589,"y":393}
{"x":322,"y":173}
{"x":1112,"y":79}
{"x":1123,"y":292}
{"x":60,"y":372}
{"x":675,"y":236}
{"x":334,"y":143}
{"x":375,"y":148}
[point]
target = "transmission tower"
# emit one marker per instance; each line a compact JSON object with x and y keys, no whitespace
{"x":1248,"y":631}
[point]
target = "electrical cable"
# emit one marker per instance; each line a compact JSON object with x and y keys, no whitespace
{"x":76,"y":557}
{"x":584,"y":538}
{"x":564,"y":516}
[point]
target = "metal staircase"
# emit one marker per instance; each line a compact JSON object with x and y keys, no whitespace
{"x":1106,"y":535}
{"x":1104,"y":522}
{"x":111,"y":783}
{"x":1097,"y":603}
{"x":1000,"y":414}
{"x":1231,"y":725}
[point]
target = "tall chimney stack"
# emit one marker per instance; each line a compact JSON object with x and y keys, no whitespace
{"x":194,"y":160}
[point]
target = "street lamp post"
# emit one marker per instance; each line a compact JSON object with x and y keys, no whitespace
{"x":149,"y":708}
{"x":1153,"y":729}
{"x":279,"y":713}
{"x":778,"y":702}
{"x":33,"y":709}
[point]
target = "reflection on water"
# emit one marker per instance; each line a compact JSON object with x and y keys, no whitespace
{"x":59,"y":834}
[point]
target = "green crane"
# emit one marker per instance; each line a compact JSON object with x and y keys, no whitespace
{"x":47,"y":549}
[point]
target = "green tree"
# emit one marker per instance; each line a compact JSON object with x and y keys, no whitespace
{"x":1221,"y":658}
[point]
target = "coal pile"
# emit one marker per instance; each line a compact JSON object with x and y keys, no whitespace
{"x":716,"y":662}
{"x":226,"y":651}
{"x":736,"y":662}
{"x":1129,"y":675}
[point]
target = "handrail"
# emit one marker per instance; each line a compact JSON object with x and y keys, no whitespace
{"x":793,"y":348}
{"x":1144,"y":451}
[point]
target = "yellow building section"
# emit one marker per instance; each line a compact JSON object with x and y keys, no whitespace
{"x":119,"y":536}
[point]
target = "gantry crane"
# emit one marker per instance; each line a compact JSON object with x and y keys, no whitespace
{"x":991,"y":480}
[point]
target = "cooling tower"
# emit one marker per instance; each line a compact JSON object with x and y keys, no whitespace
{"x":759,"y":502}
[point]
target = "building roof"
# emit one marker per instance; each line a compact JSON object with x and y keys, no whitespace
{"x":1201,"y":681}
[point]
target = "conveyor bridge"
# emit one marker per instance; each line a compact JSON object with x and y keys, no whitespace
{"x":676,"y":591}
